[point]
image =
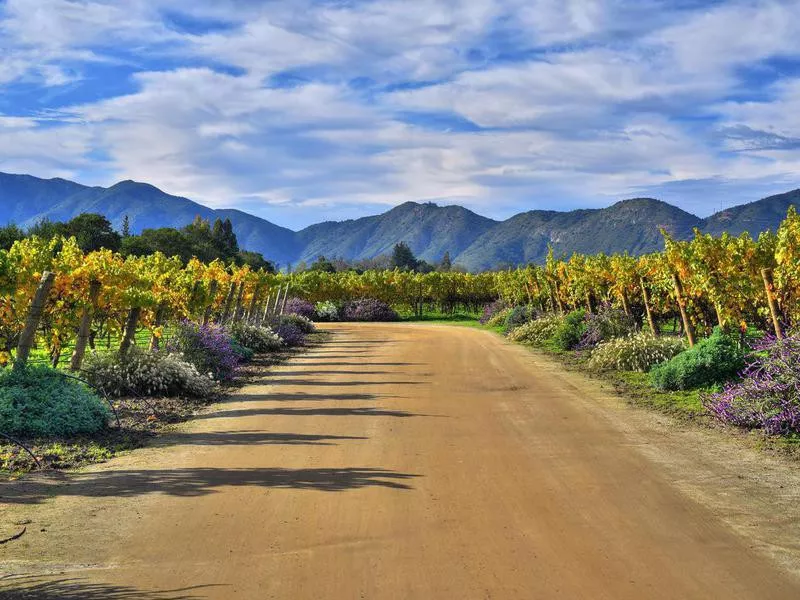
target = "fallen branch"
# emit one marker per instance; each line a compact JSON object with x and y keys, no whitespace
{"x":16,"y":536}
{"x":23,"y":446}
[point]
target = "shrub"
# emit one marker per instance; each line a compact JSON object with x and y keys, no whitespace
{"x":146,"y":374}
{"x":327,"y":311}
{"x":711,"y":361}
{"x":368,"y":309}
{"x":298,"y":306}
{"x":518,"y":316}
{"x":290,"y":333}
{"x":243,"y":353}
{"x":536,"y":332}
{"x":305,"y":325}
{"x":569,"y":332}
{"x":207,"y":347}
{"x":490,"y":310}
{"x":634,"y":352}
{"x":499,"y":318}
{"x":38,"y":401}
{"x":258,"y":339}
{"x":606,"y":324}
{"x":768,"y":396}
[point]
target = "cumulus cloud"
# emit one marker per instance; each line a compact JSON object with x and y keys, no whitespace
{"x":498,"y":104}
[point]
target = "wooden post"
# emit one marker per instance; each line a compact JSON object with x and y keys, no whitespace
{"x":226,"y":311}
{"x":687,"y":327}
{"x":285,"y":298}
{"x":718,"y":311}
{"x":85,"y":327}
{"x":589,"y":305}
{"x":159,"y":321}
{"x":265,"y":314}
{"x":646,"y":297}
{"x":251,"y":312}
{"x":28,"y":335}
{"x":237,"y":311}
{"x":277,"y":302}
{"x":212,"y":292}
{"x":769,"y":286}
{"x":129,"y":334}
{"x":625,"y":307}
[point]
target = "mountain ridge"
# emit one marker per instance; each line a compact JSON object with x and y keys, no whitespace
{"x":473,"y":241}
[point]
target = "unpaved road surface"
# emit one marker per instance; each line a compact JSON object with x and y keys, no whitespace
{"x":419,"y":462}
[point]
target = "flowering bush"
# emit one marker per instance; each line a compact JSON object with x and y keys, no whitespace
{"x":327,"y":311}
{"x":769,"y":394}
{"x":634,"y":352}
{"x":298,"y":306}
{"x":305,"y":325}
{"x":711,"y":361}
{"x":207,"y":347}
{"x":536,"y":332}
{"x":490,"y":310}
{"x":258,"y":339}
{"x":368,"y":309}
{"x":290,"y":333}
{"x":570,"y":331}
{"x":519,"y":315}
{"x":147,"y":374}
{"x":38,"y":401}
{"x":499,"y":318}
{"x":606,"y":324}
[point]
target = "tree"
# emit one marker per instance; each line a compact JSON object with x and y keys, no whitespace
{"x":403,"y":258}
{"x":10,"y":234}
{"x":322,"y":264}
{"x":126,"y":226}
{"x":255,"y":260}
{"x":446,"y":265}
{"x":92,"y":232}
{"x":166,"y":240}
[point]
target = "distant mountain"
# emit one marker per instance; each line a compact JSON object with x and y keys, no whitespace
{"x":473,"y":241}
{"x":754,"y":217}
{"x":630,"y":225}
{"x":429,"y":230}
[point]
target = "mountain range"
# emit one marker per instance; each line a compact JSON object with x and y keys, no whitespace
{"x":473,"y":241}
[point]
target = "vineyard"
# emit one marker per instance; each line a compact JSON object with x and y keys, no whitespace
{"x":57,"y":303}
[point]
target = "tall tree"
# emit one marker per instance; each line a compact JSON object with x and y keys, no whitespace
{"x":403,"y":258}
{"x":126,"y":226}
{"x":446,"y":265}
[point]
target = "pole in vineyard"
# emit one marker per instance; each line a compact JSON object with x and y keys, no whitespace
{"x":84,"y":329}
{"x":251,"y":311}
{"x":212,"y":293}
{"x":129,"y":334}
{"x":265,"y":314}
{"x":237,"y":311}
{"x":687,"y":326}
{"x":769,"y":286}
{"x":285,"y":298}
{"x":646,"y":298}
{"x":161,"y":312}
{"x":226,"y":311}
{"x":28,"y":334}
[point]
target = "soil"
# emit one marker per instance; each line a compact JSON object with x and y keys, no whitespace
{"x":413,"y":461}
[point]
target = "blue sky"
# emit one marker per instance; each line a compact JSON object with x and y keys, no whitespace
{"x":305,"y":110}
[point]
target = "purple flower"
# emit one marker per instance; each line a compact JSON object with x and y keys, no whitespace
{"x":368,"y":309}
{"x":208,"y":347}
{"x":768,"y":397}
{"x":298,"y":306}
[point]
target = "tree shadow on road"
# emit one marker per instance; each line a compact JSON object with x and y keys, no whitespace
{"x":251,"y":438}
{"x":36,"y":588}
{"x":298,"y":382}
{"x":355,"y":411}
{"x":197,"y":482}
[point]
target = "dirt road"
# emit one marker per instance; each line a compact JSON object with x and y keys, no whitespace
{"x":412,"y":462}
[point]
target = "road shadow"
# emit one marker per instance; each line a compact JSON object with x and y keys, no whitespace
{"x":309,"y":361}
{"x":329,"y":372}
{"x":37,"y":588}
{"x":312,"y":382}
{"x":196,"y":482}
{"x":252,"y":438}
{"x":358,"y":411}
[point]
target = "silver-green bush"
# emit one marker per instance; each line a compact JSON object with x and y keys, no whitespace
{"x":258,"y":339}
{"x":634,"y":352}
{"x":536,"y":332}
{"x":147,"y":374}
